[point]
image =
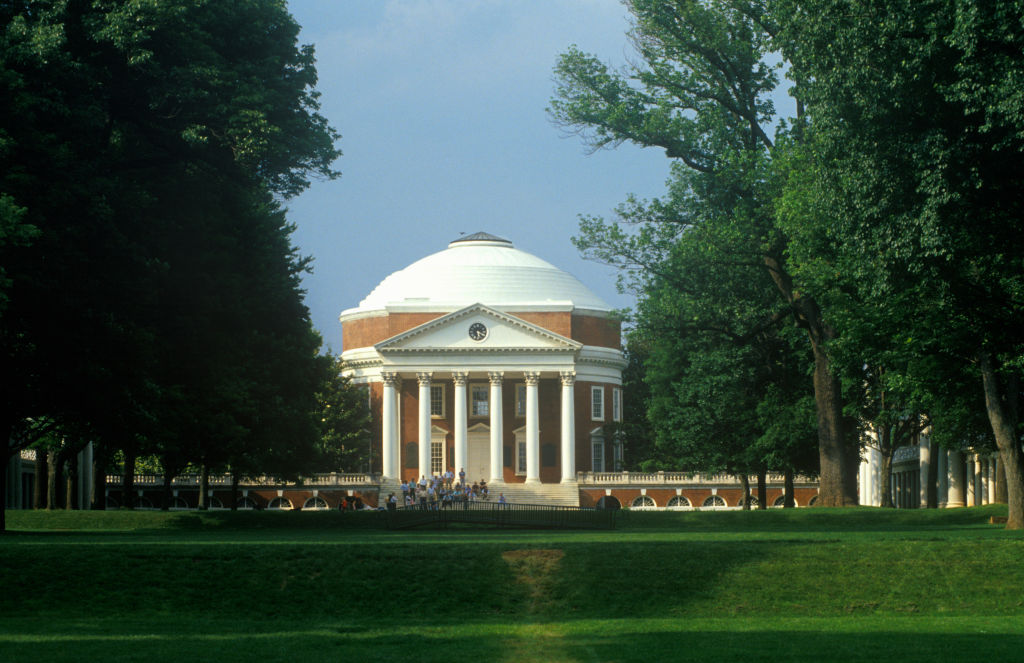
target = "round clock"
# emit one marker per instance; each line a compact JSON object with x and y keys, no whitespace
{"x":478,"y":331}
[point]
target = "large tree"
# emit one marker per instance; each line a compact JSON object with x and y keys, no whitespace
{"x":915,"y":139}
{"x":140,"y":146}
{"x":702,"y":90}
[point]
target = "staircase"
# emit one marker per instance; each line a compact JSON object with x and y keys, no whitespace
{"x":554,"y":494}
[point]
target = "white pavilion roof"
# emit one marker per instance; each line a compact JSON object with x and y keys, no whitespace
{"x":480,"y":268}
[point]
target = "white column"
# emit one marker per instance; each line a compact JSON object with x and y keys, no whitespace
{"x":497,"y":427}
{"x":461,"y":425}
{"x":955,"y":496}
{"x":874,"y":476}
{"x":941,"y":497}
{"x":862,"y":480}
{"x":568,"y":427}
{"x":924,"y":462}
{"x":389,"y":434}
{"x":85,"y":478}
{"x":992,"y":479}
{"x":424,"y":423}
{"x":532,"y":428}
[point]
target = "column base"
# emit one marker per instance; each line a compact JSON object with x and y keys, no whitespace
{"x":954,"y":505}
{"x":532,"y":480}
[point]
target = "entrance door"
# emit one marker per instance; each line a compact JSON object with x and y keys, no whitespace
{"x":478,"y":465}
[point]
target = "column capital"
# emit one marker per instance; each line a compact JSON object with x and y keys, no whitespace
{"x":567,"y":378}
{"x":389,"y":378}
{"x":496,"y":377}
{"x":532,"y":378}
{"x":424,"y":378}
{"x":460,"y":378}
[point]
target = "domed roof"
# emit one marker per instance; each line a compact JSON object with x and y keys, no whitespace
{"x":480,"y":268}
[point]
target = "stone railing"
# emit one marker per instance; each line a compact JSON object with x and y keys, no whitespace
{"x":333,"y":479}
{"x":674,"y":478}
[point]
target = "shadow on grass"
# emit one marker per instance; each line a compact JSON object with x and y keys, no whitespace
{"x":531,"y":642}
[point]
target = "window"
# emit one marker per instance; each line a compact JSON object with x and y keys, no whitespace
{"x":478,"y":400}
{"x":713,"y":501}
{"x":520,"y":456}
{"x":437,"y":456}
{"x":437,"y":400}
{"x":597,"y":454}
{"x":643,"y":502}
{"x":412,"y":458}
{"x":753,"y":502}
{"x":616,"y":405}
{"x":246,"y":504}
{"x":520,"y":400}
{"x":617,"y":455}
{"x":178,"y":503}
{"x":280,"y":504}
{"x":315,"y":504}
{"x":597,"y":403}
{"x":679,"y":502}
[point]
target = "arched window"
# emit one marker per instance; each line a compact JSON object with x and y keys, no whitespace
{"x":179,"y":503}
{"x":643,"y":502}
{"x":814,"y":500}
{"x":214,"y":503}
{"x":315,"y":504}
{"x":780,"y":501}
{"x":679,"y":502}
{"x":142,"y":503}
{"x":111,"y":503}
{"x":753,"y":502}
{"x":608,"y":502}
{"x":280,"y":504}
{"x":713,"y":501}
{"x":247,"y":504}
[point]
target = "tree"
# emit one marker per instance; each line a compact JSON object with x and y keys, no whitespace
{"x":140,"y":147}
{"x":702,"y":92}
{"x":915,"y":138}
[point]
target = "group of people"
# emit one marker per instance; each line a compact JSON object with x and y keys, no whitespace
{"x":442,"y":491}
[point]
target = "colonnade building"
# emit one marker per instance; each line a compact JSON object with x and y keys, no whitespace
{"x":486,"y":359}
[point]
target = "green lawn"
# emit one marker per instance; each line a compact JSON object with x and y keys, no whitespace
{"x":807,"y":584}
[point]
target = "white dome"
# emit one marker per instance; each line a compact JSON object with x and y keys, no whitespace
{"x":484,"y":269}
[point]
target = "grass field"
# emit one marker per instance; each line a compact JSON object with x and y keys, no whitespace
{"x":781,"y":585}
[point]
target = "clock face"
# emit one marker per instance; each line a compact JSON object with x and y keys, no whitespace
{"x":477,"y":331}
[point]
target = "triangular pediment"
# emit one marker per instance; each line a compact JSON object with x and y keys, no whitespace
{"x":477,"y":329}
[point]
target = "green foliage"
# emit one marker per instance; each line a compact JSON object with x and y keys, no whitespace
{"x":703,"y":260}
{"x":152,"y":296}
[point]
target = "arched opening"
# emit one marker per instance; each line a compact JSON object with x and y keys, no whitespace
{"x":643,"y":502}
{"x":679,"y":502}
{"x":713,"y":502}
{"x":608,"y":502}
{"x":280,"y":504}
{"x":315,"y":504}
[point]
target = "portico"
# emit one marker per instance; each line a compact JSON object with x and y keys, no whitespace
{"x":486,"y":359}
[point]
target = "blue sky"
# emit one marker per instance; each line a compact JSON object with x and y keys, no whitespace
{"x":441,"y":107}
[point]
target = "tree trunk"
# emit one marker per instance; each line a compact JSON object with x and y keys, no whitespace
{"x":745,"y":480}
{"x":1000,"y":483}
{"x":8,"y":455}
{"x":885,"y":481}
{"x":42,"y":476}
{"x":933,"y":474}
{"x":52,"y":479}
{"x":837,"y":480}
{"x":166,"y":505}
{"x":70,"y":481}
{"x":1000,"y":402}
{"x":204,"y":486}
{"x":762,"y":489}
{"x":789,"y":501}
{"x":128,"y":479}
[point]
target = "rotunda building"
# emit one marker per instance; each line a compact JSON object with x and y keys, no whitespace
{"x":485,"y":359}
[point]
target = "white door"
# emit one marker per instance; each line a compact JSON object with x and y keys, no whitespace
{"x":478,"y":465}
